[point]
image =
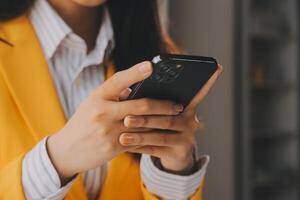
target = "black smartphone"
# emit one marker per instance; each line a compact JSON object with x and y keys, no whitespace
{"x":175,"y":77}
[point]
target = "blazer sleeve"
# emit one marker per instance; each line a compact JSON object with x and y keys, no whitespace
{"x":148,"y":196}
{"x":11,"y":181}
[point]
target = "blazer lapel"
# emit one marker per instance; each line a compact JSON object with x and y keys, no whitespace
{"x":26,"y":73}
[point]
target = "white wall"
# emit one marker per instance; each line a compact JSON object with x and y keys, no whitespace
{"x":205,"y":27}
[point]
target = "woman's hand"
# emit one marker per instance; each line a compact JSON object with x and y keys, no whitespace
{"x":91,"y":136}
{"x":172,"y":138}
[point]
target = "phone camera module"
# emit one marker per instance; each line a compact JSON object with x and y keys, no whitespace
{"x":166,"y":72}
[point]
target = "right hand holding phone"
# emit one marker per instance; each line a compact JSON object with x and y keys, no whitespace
{"x":91,"y":137}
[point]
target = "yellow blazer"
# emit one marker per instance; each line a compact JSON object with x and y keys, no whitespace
{"x":30,"y":110}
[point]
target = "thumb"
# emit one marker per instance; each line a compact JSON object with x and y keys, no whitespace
{"x":114,"y":86}
{"x":124,"y":94}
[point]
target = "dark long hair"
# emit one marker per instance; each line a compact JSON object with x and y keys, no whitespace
{"x":136,"y":24}
{"x":137,"y":29}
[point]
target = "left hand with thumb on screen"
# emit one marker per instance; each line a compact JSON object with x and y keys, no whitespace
{"x":172,"y":139}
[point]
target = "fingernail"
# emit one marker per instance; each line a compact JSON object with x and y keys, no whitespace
{"x":125,"y":93}
{"x":131,"y":121}
{"x":127,"y":139}
{"x":220,"y":69}
{"x":178,"y":108}
{"x":145,"y":68}
{"x":197,"y":118}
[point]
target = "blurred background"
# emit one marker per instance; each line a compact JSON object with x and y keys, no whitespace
{"x":252,"y":115}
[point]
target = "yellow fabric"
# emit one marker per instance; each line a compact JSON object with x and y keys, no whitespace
{"x":30,"y":110}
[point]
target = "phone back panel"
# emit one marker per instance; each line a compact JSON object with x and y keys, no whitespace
{"x":175,"y":77}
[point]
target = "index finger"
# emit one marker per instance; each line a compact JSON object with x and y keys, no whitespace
{"x":205,"y":89}
{"x":112,"y":88}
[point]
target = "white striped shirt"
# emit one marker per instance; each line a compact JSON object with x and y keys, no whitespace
{"x":76,"y":74}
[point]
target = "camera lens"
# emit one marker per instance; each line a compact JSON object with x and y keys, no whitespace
{"x":166,"y":72}
{"x":165,"y":67}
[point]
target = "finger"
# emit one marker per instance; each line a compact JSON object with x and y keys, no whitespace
{"x":147,"y":107}
{"x":150,"y":150}
{"x":125,"y":94}
{"x":150,"y":138}
{"x":119,"y":125}
{"x":175,"y":123}
{"x":205,"y":89}
{"x":112,"y":88}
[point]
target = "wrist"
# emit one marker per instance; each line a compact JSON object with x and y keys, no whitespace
{"x":181,"y":167}
{"x":59,"y":155}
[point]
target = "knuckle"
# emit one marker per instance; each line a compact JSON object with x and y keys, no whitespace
{"x":110,"y":147}
{"x":169,"y":105}
{"x":100,"y":110}
{"x":170,"y":122}
{"x":98,"y":113}
{"x":93,"y":100}
{"x":185,"y":142}
{"x":145,"y":105}
{"x":115,"y":110}
{"x":112,"y":84}
{"x":95,"y":118}
{"x":116,"y":75}
{"x":144,"y":121}
{"x":163,"y":139}
{"x":140,"y":138}
{"x":191,"y":140}
{"x":102,"y":132}
{"x":113,"y":81}
{"x":151,"y":150}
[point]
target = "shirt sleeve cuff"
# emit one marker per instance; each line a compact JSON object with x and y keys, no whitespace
{"x":172,"y":186}
{"x":39,"y":177}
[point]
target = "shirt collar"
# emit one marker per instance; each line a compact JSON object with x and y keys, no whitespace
{"x":52,"y":31}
